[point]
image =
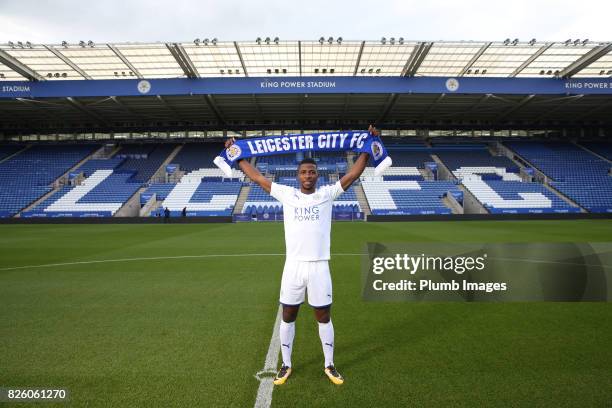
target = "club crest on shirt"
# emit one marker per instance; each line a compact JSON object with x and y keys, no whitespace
{"x":233,"y":152}
{"x":377,"y":150}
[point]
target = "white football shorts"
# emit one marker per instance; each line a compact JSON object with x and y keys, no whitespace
{"x":300,"y":277}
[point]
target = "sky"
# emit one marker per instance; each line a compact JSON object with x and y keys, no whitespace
{"x":51,"y":22}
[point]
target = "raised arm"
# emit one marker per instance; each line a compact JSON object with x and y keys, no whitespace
{"x":355,"y":171}
{"x":360,"y":164}
{"x":255,"y":175}
{"x":250,"y":171}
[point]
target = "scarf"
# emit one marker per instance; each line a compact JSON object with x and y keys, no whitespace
{"x":358,"y":142}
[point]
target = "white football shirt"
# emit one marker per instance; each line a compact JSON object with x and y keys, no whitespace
{"x":307,"y":219}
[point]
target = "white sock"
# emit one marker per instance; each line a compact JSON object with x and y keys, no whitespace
{"x":287,"y":333}
{"x":326,"y":333}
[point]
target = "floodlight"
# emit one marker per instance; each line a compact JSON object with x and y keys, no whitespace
{"x":65,"y":44}
{"x":568,"y":42}
{"x":91,"y":43}
{"x":258,"y":40}
{"x":585,"y":42}
{"x":392,"y":40}
{"x":330,"y":40}
{"x":214,"y":41}
{"x":28,"y":44}
{"x":321,"y":40}
{"x":267,"y":40}
{"x":20,"y":44}
{"x":339,"y":40}
{"x":383,"y":40}
{"x":82,"y":43}
{"x":532,"y":41}
{"x":276,"y":40}
{"x":515,"y":41}
{"x":196,"y":41}
{"x":11,"y":44}
{"x":206,"y":40}
{"x":401,"y":40}
{"x":506,"y":41}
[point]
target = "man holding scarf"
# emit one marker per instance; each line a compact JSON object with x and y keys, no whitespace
{"x":307,"y":220}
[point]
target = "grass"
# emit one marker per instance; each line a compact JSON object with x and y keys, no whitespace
{"x":189,"y":332}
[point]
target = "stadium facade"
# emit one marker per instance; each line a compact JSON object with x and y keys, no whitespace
{"x":473,"y":127}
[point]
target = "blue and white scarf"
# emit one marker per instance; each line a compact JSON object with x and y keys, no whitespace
{"x":357,"y":142}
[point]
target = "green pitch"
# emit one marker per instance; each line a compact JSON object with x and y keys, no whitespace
{"x":186,"y":330}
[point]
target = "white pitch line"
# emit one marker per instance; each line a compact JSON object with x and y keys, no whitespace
{"x":266,"y":376}
{"x":156,"y":258}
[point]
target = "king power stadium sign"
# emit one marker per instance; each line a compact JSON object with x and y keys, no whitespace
{"x":314,"y":85}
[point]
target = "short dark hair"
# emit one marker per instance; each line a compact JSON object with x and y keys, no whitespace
{"x":307,"y":160}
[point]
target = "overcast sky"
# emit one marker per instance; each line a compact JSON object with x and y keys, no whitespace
{"x":183,"y":20}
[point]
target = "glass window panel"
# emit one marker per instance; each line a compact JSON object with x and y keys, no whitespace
{"x":600,"y":68}
{"x":44,"y":62}
{"x":556,"y":58}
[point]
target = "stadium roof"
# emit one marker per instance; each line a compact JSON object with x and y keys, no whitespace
{"x":325,"y":57}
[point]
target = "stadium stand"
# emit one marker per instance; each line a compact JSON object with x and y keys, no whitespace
{"x":478,"y":161}
{"x":573,"y":171}
{"x":108,"y":183}
{"x":28,"y":176}
{"x":203,"y":190}
{"x":200,"y":198}
{"x":408,"y":197}
{"x":6,"y":151}
{"x":512,"y":197}
{"x":194,"y":156}
{"x":144,"y":160}
{"x":493,"y":180}
{"x":603,"y":149}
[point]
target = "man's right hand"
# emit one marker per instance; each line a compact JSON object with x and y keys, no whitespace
{"x":229,"y":142}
